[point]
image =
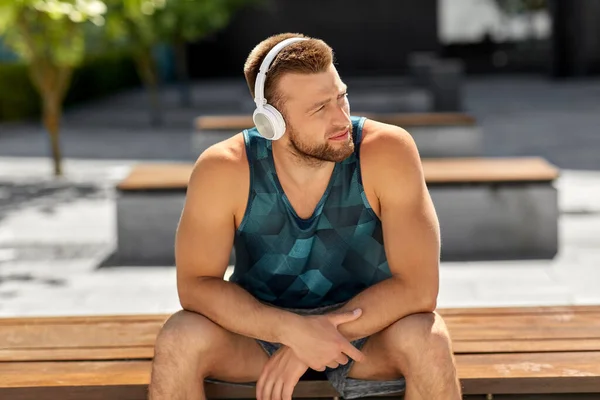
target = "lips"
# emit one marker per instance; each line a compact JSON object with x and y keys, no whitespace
{"x":339,"y":135}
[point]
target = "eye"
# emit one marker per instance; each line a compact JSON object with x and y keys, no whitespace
{"x":320,"y":109}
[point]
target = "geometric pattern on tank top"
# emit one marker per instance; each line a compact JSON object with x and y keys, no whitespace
{"x":328,"y":258}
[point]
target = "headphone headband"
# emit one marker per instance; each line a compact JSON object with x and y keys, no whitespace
{"x":259,"y":87}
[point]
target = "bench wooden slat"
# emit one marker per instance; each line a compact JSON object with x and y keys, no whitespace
{"x":475,"y":170}
{"x":147,"y":352}
{"x":437,"y":171}
{"x":78,"y":354}
{"x":74,"y":373}
{"x":83,"y":319}
{"x":520,"y":310}
{"x":525,"y":345}
{"x":569,"y":372}
{"x":525,"y":327}
{"x":126,"y":374}
{"x":90,"y":334}
{"x":241,"y":122}
{"x":132,"y":337}
{"x":157,"y":177}
{"x":446,"y":312}
{"x":479,"y":374}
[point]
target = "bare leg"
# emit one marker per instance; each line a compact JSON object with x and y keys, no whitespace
{"x":190,"y":348}
{"x":417,"y":347}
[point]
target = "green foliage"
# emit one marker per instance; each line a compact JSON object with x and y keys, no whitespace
{"x":99,"y":75}
{"x":49,"y":30}
{"x":149,"y":22}
{"x":190,"y":20}
{"x":18,"y":98}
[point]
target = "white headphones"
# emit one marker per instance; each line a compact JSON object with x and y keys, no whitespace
{"x":268,"y":120}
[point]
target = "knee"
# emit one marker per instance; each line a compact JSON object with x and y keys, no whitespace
{"x":188,"y":333}
{"x":421,"y":337}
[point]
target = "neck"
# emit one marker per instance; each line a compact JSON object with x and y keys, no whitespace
{"x":301,"y":169}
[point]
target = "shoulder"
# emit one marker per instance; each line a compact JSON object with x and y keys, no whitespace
{"x":221,"y":166}
{"x":388,"y":146}
{"x":390,"y":160}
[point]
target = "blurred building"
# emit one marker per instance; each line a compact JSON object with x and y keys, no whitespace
{"x":560,"y":39}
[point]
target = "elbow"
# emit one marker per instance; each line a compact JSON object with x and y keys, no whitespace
{"x":425,"y":300}
{"x":185,"y":301}
{"x":429,"y":298}
{"x":194,"y":293}
{"x":187,"y":293}
{"x":429,"y":305}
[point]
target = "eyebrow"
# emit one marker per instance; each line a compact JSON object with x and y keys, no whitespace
{"x":344,"y":88}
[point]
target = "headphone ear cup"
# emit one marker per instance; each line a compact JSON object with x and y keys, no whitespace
{"x":278,"y":122}
{"x":269,"y":122}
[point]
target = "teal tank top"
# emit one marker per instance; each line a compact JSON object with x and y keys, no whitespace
{"x":290,"y":262}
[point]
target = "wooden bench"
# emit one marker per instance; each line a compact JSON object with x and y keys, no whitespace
{"x":440,"y":134}
{"x":494,"y":208}
{"x":240,"y":122}
{"x":523,"y":353}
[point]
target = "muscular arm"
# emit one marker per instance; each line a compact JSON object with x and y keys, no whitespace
{"x":411,"y":237}
{"x":203,"y":244}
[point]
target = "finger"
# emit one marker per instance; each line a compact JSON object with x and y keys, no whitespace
{"x":342,"y":359}
{"x":267,"y":388}
{"x":353,"y":352}
{"x":288,"y":391}
{"x":260,"y":384}
{"x":318,"y":368}
{"x":277,"y":389}
{"x":333,"y":365}
{"x":344,"y":317}
{"x":290,"y":384}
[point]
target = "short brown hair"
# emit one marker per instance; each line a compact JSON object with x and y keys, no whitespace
{"x":304,"y":57}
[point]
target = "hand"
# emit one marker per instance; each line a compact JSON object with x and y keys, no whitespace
{"x":280,"y":375}
{"x":317,"y":342}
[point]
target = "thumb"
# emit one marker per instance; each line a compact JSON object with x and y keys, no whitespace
{"x":343,"y":317}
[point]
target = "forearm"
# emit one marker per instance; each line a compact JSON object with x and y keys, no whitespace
{"x":233,"y":308}
{"x":383,"y":304}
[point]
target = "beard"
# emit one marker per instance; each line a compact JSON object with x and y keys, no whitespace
{"x":317,"y":154}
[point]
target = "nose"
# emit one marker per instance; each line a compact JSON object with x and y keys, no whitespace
{"x":341,"y":116}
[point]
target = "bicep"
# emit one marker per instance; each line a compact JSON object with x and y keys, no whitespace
{"x":204,"y":237}
{"x":410,"y":224}
{"x":411,"y":232}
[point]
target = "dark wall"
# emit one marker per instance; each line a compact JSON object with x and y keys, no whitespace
{"x":369,"y":37}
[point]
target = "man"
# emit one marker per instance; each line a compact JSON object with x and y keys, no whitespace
{"x":337,"y":249}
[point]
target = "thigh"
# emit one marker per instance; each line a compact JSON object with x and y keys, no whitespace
{"x":238,"y":359}
{"x":377,"y":364}
{"x":387,"y":352}
{"x":218,"y":353}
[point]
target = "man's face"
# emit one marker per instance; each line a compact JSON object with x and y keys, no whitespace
{"x":317,"y":115}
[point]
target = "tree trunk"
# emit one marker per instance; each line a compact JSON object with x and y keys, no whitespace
{"x":52,"y":113}
{"x":183,"y":75}
{"x":52,"y":83}
{"x":148,"y":71}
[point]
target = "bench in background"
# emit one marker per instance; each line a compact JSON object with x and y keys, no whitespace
{"x":489,"y":209}
{"x":442,"y":134}
{"x":528,"y":353}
